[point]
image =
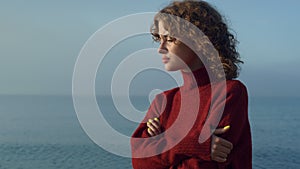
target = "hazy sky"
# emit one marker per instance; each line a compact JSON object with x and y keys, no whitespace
{"x":40,"y":42}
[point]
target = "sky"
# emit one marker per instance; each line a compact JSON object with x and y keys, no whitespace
{"x":41,"y":41}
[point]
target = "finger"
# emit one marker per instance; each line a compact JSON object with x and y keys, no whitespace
{"x":219,"y":154}
{"x":220,"y":141}
{"x":222,"y":149}
{"x":154,"y":130}
{"x":225,"y":143}
{"x":155,"y":124}
{"x":156,"y":119}
{"x":219,"y":159}
{"x":218,"y":145}
{"x":150,"y":132}
{"x":221,"y":130}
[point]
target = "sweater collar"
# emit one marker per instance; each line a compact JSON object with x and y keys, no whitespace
{"x":195,"y":78}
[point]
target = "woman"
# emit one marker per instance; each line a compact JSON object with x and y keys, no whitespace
{"x":168,"y":137}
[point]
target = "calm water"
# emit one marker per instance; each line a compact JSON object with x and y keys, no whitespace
{"x":43,"y":132}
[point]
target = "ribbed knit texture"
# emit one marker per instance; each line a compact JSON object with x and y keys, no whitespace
{"x":182,"y":116}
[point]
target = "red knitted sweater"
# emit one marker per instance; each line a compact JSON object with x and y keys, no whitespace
{"x":183,"y":117}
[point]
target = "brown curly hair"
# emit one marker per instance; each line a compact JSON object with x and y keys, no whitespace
{"x":202,"y":15}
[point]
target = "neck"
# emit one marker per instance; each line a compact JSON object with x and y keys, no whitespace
{"x":195,"y":78}
{"x":194,"y":65}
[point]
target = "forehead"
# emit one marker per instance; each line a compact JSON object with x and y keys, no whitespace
{"x":161,"y":29}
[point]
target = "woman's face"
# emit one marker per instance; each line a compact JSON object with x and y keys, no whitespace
{"x":176,"y":56}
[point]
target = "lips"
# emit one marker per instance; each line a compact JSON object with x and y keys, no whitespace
{"x":165,"y":59}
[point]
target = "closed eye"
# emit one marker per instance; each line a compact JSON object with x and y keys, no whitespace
{"x":158,"y":38}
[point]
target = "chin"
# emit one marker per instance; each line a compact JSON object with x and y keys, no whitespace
{"x":170,"y":68}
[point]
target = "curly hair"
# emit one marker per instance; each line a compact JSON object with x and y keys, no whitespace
{"x":202,"y":15}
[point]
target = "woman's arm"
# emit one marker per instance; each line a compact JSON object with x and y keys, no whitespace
{"x":220,"y":148}
{"x":143,"y":146}
{"x":235,"y":114}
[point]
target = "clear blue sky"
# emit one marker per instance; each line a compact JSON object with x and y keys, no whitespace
{"x":40,"y":41}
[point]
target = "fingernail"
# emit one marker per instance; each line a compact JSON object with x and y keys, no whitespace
{"x":156,"y":119}
{"x":226,"y":127}
{"x":148,"y":123}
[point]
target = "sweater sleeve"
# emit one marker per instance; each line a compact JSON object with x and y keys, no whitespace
{"x":142,"y":144}
{"x":154,"y":111}
{"x":189,"y":153}
{"x":163,"y":151}
{"x":235,"y":114}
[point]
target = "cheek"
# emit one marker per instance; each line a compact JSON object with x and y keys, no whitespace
{"x":183,"y":52}
{"x":177,"y":61}
{"x":183,"y":58}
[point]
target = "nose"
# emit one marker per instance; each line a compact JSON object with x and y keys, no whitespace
{"x":162,"y":48}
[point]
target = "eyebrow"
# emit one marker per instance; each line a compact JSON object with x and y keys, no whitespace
{"x":166,"y":33}
{"x":165,"y":36}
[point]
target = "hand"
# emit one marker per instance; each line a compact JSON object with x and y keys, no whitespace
{"x":154,"y":127}
{"x":220,"y":148}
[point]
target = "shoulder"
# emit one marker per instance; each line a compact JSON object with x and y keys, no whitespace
{"x":171,"y":91}
{"x":236,"y":88}
{"x":167,"y":93}
{"x":229,"y":88}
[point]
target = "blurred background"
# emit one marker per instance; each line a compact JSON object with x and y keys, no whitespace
{"x":41,"y":40}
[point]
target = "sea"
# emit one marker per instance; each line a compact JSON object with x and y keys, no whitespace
{"x":43,"y":132}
